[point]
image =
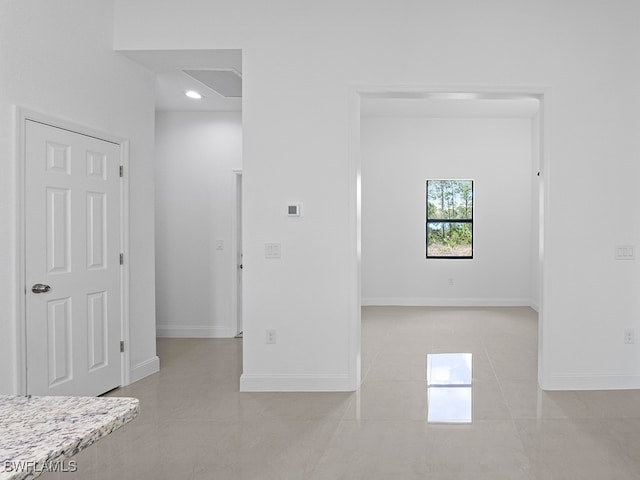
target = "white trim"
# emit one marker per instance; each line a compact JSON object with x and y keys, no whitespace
{"x":446,"y":302}
{"x":193,"y":331}
{"x":124,"y":271}
{"x":20,"y":387}
{"x":237,"y":177}
{"x":444,"y":91}
{"x":592,"y":382}
{"x":544,"y":120}
{"x":354,"y":329}
{"x":28,"y":114}
{"x":144,"y":369}
{"x":295,"y":383}
{"x":21,"y":115}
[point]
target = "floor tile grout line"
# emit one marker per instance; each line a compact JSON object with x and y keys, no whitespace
{"x":504,"y":399}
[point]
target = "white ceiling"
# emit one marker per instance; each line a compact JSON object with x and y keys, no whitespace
{"x":172,"y":82}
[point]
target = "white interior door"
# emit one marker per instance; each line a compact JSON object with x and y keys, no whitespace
{"x":72,"y":262}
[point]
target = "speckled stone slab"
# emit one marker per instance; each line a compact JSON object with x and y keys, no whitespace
{"x":37,"y":432}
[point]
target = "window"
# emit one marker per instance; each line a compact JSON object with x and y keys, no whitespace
{"x":449,"y":218}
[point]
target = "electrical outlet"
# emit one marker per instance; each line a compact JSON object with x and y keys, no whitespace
{"x":270,"y":336}
{"x":629,"y":336}
{"x":451,"y":281}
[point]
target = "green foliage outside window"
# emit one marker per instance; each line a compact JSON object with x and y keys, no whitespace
{"x":449,"y":219}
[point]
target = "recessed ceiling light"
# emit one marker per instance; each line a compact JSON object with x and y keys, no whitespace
{"x":193,"y":94}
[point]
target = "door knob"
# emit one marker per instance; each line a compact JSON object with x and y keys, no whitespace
{"x":40,"y":288}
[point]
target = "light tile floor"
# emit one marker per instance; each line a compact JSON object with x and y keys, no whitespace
{"x":196,"y":425}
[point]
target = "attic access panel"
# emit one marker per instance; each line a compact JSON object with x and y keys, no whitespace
{"x":227,"y":82}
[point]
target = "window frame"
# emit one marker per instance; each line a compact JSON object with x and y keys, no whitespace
{"x":449,"y":220}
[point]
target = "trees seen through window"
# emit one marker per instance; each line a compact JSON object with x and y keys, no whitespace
{"x":449,"y":219}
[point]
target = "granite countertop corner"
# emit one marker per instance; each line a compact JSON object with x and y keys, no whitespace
{"x":37,"y":432}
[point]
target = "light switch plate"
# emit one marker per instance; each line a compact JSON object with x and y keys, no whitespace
{"x":625,"y":252}
{"x":271,"y":250}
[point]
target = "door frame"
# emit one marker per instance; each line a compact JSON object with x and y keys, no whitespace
{"x":21,"y":115}
{"x":236,"y":226}
{"x":542,"y":134}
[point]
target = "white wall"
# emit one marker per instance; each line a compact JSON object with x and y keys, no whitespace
{"x":57,"y":58}
{"x":196,"y":154}
{"x":398,"y":156}
{"x":300,"y":60}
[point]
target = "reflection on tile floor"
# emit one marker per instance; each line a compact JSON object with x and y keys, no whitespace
{"x":196,"y":425}
{"x":449,"y":387}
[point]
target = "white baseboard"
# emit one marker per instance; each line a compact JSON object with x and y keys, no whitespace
{"x":591,"y":382}
{"x":296,"y":383}
{"x":446,"y":302}
{"x":193,"y":331}
{"x":144,"y":369}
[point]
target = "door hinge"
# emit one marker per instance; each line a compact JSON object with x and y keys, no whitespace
{"x":121,"y":346}
{"x":122,"y":170}
{"x":122,"y":259}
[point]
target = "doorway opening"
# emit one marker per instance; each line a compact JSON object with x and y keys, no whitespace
{"x":412,"y":102}
{"x":198,"y":162}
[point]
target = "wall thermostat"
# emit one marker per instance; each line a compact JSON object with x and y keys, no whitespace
{"x":293,"y":210}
